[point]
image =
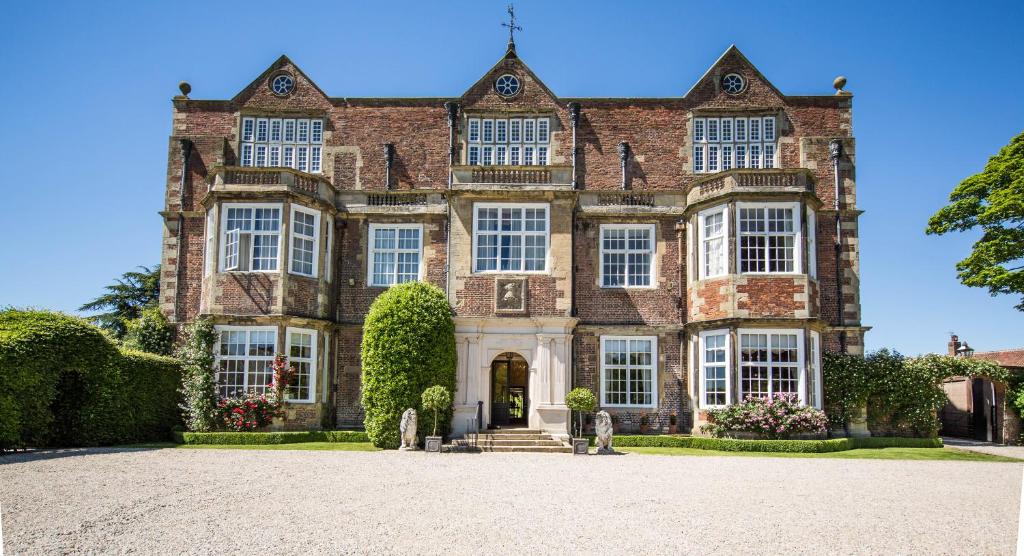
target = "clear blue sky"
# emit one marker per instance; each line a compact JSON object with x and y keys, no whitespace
{"x":86,"y":113}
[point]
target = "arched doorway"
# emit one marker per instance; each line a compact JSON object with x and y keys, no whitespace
{"x":510,"y":402}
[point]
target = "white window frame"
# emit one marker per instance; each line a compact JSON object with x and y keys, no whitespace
{"x":372,"y":252}
{"x":812,"y":243}
{"x":797,"y":237}
{"x":702,"y":240}
{"x":653,"y":252}
{"x":287,"y":140}
{"x":315,"y":238}
{"x":313,"y":367}
{"x":716,"y":135}
{"x":222,"y":257}
{"x":245,"y":357}
{"x":815,"y":377}
{"x":208,"y":256}
{"x":522,"y":233}
{"x":654,"y":371}
{"x":497,"y":149}
{"x":702,"y":365}
{"x":801,"y":387}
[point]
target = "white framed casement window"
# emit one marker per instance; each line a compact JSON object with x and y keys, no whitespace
{"x":715,"y":382}
{"x":768,"y":238}
{"x":243,"y":356}
{"x":282,"y":143}
{"x":627,"y":256}
{"x":396,"y":254}
{"x":510,"y":237}
{"x":250,"y":237}
{"x":812,"y":243}
{"x":712,"y":230}
{"x":500,"y":142}
{"x":305,"y":241}
{"x":814,"y":378}
{"x":301,"y":350}
{"x":629,"y":371}
{"x":208,"y":257}
{"x":772,"y":362}
{"x":721,"y":144}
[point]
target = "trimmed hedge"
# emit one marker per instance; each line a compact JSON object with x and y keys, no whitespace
{"x":793,"y":446}
{"x":64,"y":383}
{"x":408,"y":346}
{"x":257,"y":438}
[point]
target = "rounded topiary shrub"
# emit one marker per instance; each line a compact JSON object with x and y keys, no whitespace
{"x":408,"y":346}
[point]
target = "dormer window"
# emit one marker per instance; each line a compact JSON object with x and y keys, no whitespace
{"x":721,"y":144}
{"x":511,"y":141}
{"x":282,"y":143}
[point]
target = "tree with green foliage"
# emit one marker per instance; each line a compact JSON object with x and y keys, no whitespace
{"x":580,"y":400}
{"x":993,"y":201}
{"x":151,"y":333}
{"x":408,"y":346}
{"x":199,"y":386}
{"x":436,"y":399}
{"x":125,"y":300}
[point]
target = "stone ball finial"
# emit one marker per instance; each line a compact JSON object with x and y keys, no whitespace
{"x":839,"y":83}
{"x":185,"y":88}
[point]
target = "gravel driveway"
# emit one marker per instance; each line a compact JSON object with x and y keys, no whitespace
{"x":221,"y":501}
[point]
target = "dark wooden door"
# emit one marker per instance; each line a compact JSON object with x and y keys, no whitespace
{"x":509,"y":390}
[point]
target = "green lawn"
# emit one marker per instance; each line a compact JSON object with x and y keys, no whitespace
{"x":946,"y":454}
{"x":313,"y":446}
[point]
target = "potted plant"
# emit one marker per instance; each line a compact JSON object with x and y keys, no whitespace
{"x":580,"y":401}
{"x":435,"y":399}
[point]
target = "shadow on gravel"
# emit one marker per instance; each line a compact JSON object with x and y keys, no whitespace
{"x":57,"y":453}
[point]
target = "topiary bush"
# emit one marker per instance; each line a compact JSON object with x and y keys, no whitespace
{"x":436,"y":399}
{"x":580,"y":400}
{"x":64,"y":383}
{"x":408,"y":346}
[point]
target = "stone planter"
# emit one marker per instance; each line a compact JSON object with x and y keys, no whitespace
{"x":432,"y":444}
{"x":580,"y":446}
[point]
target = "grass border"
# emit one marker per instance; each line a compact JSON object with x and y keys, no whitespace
{"x":269,"y":438}
{"x":777,"y":446}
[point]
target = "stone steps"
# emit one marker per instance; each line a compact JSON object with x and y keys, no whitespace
{"x":511,"y":440}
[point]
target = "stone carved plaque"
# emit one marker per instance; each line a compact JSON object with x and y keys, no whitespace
{"x":510,"y":295}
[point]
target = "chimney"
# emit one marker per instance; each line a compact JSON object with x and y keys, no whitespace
{"x":954,"y":344}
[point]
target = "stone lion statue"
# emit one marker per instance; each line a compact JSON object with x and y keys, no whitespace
{"x":603,"y":428}
{"x":408,"y":429}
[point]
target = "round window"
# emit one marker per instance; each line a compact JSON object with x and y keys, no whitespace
{"x":507,"y":85}
{"x":733,"y":84}
{"x":282,"y":85}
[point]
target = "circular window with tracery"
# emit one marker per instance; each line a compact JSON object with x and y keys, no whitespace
{"x":733,"y":84}
{"x":282,"y":85}
{"x":507,"y":85}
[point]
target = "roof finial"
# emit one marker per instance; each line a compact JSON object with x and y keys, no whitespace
{"x":512,"y":28}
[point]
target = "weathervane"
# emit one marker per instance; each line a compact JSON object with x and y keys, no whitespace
{"x":512,"y":27}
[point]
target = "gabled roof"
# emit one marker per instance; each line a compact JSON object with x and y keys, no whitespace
{"x":732,"y":56}
{"x":509,"y":62}
{"x":282,"y":63}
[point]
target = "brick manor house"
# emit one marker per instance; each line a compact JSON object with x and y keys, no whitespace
{"x":672,"y":254}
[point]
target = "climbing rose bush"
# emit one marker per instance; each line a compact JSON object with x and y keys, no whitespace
{"x":250,"y":410}
{"x":777,"y":417}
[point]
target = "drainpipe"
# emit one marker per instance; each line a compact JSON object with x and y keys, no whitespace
{"x":389,"y":160}
{"x":835,"y":151}
{"x":452,"y":109}
{"x":623,"y":161}
{"x":186,"y":154}
{"x":574,"y":119}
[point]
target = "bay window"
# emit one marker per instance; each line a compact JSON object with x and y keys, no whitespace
{"x":724,"y":143}
{"x":250,"y":237}
{"x":513,"y":141}
{"x":283,"y":143}
{"x":768,"y":237}
{"x":510,"y":237}
{"x":712,"y":230}
{"x":627,"y":255}
{"x":302,"y":357}
{"x":629,"y":371}
{"x":713,"y":354}
{"x":243,"y":358}
{"x":305,"y":241}
{"x":771,"y":362}
{"x":395,"y":254}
